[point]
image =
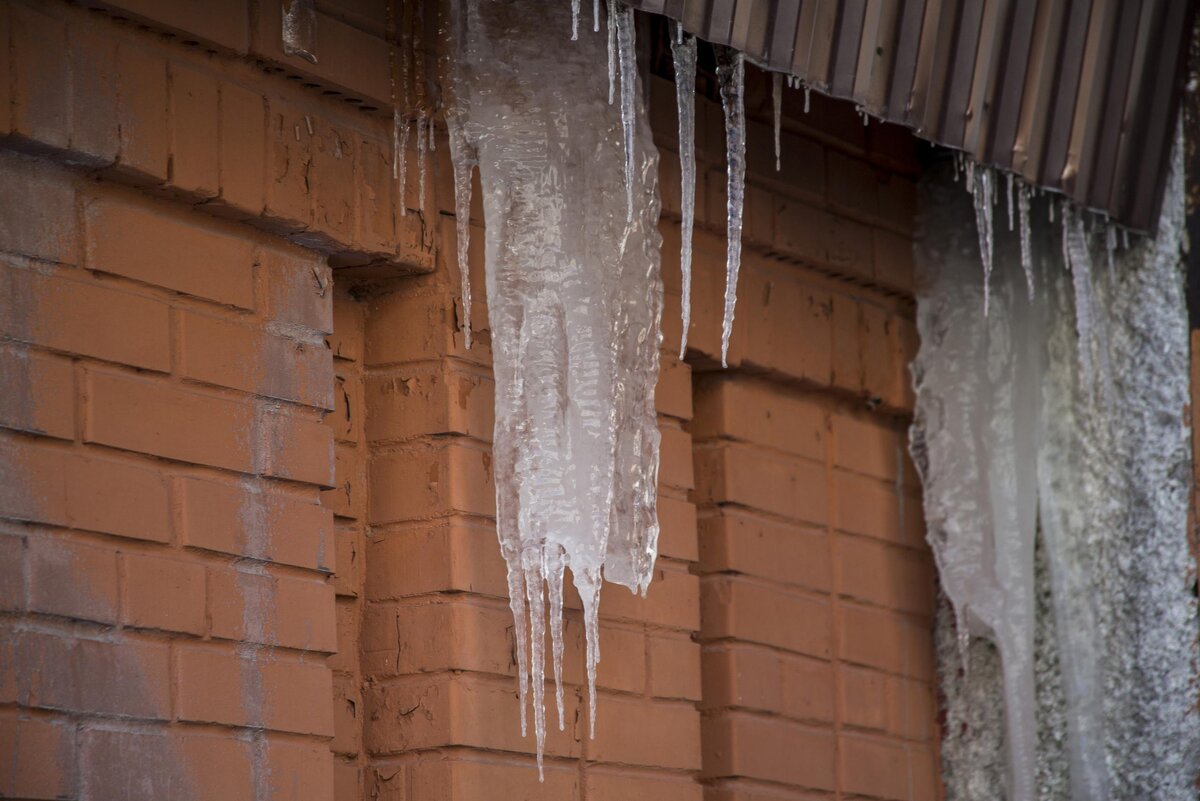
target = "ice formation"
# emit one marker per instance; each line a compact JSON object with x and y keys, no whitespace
{"x":731,"y":76}
{"x":777,"y":107}
{"x":575,"y":300}
{"x":300,"y":29}
{"x":1058,"y":514}
{"x":683,"y":51}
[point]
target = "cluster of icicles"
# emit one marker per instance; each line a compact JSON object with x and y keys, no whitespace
{"x":1077,"y":226}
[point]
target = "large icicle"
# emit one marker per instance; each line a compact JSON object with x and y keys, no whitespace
{"x":574,"y":300}
{"x":683,"y":50}
{"x":981,"y":183}
{"x":777,"y":107}
{"x":731,"y":75}
{"x":1078,"y":259}
{"x":300,"y":29}
{"x":973,"y":436}
{"x":1024,"y":197}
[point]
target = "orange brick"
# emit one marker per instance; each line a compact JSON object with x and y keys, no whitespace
{"x":12,"y":573}
{"x":252,"y":606}
{"x":677,"y":535}
{"x":673,"y":395}
{"x":675,"y":457}
{"x":157,"y":764}
{"x":246,"y":521}
{"x":376,"y":195}
{"x":52,"y":671}
{"x":205,"y":676}
{"x":864,"y":698}
{"x":348,"y":782}
{"x":165,"y":594}
{"x":72,"y":579}
{"x":347,"y":711}
{"x":37,"y":225}
{"x":299,"y":288}
{"x":348,"y":409}
{"x":871,"y":637}
{"x":218,"y":351}
{"x":142,"y":111}
{"x":743,"y":675}
{"x":878,"y":353}
{"x":348,"y":498}
{"x":299,"y":772}
{"x":760,"y":413}
{"x":41,"y":83}
{"x":900,"y":578}
{"x":802,"y":231}
{"x":742,"y":542}
{"x":463,"y":710}
{"x":445,"y":556}
{"x":420,"y":400}
{"x":194,"y":132}
{"x":86,"y":319}
{"x":349,"y":320}
{"x":874,"y":767}
{"x":762,"y":479}
{"x":869,"y":446}
{"x":95,"y":132}
{"x":481,"y":777}
{"x":41,"y":396}
{"x":140,"y":415}
{"x":756,"y":612}
{"x":289,"y":158}
{"x":611,"y":785}
{"x":220,"y":22}
{"x":177,"y":250}
{"x":637,"y":732}
{"x":847,"y":355}
{"x":40,"y":756}
{"x":894,"y":265}
{"x":346,"y":658}
{"x":742,"y":744}
{"x":349,"y":547}
{"x":333,"y":157}
{"x":673,"y":600}
{"x":403,"y":328}
{"x":303,"y":450}
{"x":242,"y":150}
{"x":674,"y":667}
{"x":872,"y":508}
{"x":436,"y":481}
{"x":5,"y":74}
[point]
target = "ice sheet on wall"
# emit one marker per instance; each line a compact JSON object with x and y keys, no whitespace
{"x":1039,"y":425}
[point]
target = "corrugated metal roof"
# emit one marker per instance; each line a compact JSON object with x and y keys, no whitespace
{"x":1074,"y":95}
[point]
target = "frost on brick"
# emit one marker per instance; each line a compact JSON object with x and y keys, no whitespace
{"x":574,"y":305}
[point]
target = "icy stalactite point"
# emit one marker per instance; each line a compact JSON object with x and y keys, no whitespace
{"x":627,"y":58}
{"x":1024,"y":197}
{"x":422,"y":158}
{"x":683,"y":52}
{"x":731,"y":76}
{"x":612,"y":50}
{"x":399,"y":157}
{"x":980,"y":182}
{"x":777,"y":104}
{"x":595,"y":16}
{"x":575,"y":20}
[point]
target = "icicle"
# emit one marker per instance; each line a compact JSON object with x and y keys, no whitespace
{"x":595,"y":16}
{"x":612,"y":50}
{"x":807,"y":96}
{"x":399,"y":157}
{"x":1051,"y":206}
{"x":432,"y":138}
{"x":1110,"y":245}
{"x":1079,"y":260}
{"x":422,"y":156}
{"x":982,"y":190}
{"x":1009,"y":177}
{"x":574,"y":20}
{"x":957,"y":159}
{"x":1023,"y":201}
{"x":300,"y":29}
{"x":731,"y":74}
{"x":1125,"y":238}
{"x":464,"y":160}
{"x":627,"y":57}
{"x":684,"y":55}
{"x":777,"y":98}
{"x":575,"y":303}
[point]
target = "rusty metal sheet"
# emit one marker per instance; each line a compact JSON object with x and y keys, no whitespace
{"x":1077,"y":96}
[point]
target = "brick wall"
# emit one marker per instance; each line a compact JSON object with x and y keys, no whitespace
{"x":246,"y":509}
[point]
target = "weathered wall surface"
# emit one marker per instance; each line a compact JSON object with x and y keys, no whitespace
{"x":247,"y":502}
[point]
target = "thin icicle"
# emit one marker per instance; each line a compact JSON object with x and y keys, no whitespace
{"x":516,"y":603}
{"x":777,"y":99}
{"x":422,"y":155}
{"x":1023,"y":201}
{"x":464,"y":160}
{"x":612,"y":51}
{"x":982,"y":189}
{"x":595,"y":16}
{"x":683,"y":51}
{"x":399,"y":157}
{"x":1125,"y":238}
{"x":574,"y":20}
{"x":1009,"y":177}
{"x":807,"y":97}
{"x":555,"y":569}
{"x":1079,"y":260}
{"x":1051,"y":212}
{"x":537,"y":639}
{"x":1110,"y":245}
{"x":432,"y":138}
{"x":628,"y":62}
{"x":731,"y":75}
